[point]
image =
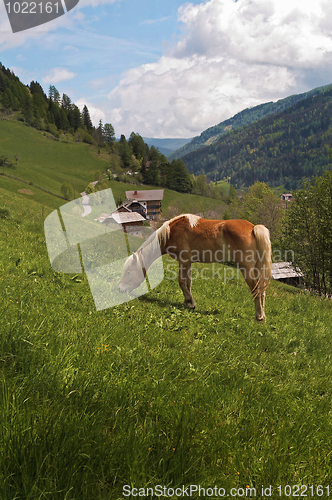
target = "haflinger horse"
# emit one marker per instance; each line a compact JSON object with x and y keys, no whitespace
{"x":189,"y":238}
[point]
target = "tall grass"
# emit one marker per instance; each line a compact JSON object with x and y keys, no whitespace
{"x":148,"y":393}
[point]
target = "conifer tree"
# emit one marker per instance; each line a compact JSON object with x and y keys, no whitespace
{"x":86,"y":118}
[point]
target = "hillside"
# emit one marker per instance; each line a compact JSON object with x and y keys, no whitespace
{"x":245,"y":117}
{"x":279,"y":149}
{"x":48,"y":163}
{"x":147,"y":393}
{"x":45,"y":161}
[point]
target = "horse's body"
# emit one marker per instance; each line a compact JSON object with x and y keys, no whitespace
{"x":189,"y":238}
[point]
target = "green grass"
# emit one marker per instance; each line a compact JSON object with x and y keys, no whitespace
{"x":46,"y":162}
{"x":148,"y":393}
{"x":224,"y":186}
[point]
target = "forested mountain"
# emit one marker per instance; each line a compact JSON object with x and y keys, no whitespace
{"x":245,"y":117}
{"x":280,"y":149}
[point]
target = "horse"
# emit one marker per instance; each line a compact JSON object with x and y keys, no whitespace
{"x":189,"y":238}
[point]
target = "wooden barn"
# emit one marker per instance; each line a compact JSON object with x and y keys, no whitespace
{"x":285,"y":272}
{"x":130,"y":221}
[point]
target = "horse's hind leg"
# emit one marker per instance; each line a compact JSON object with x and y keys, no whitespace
{"x":185,"y":285}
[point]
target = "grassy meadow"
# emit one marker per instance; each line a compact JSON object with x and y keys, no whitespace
{"x":147,"y":393}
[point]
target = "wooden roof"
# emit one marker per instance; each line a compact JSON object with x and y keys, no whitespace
{"x":282,"y":270}
{"x":151,"y":195}
{"x":127,"y":217}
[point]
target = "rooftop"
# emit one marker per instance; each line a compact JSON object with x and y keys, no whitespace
{"x":282,"y":270}
{"x":127,"y":217}
{"x":151,"y":195}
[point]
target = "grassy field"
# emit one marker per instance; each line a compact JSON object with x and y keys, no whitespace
{"x":46,"y":162}
{"x":224,"y":185}
{"x":148,"y":393}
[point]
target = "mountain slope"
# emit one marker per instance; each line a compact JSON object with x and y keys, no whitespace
{"x":45,"y":161}
{"x":245,"y":117}
{"x":279,"y":149}
{"x":166,"y":146}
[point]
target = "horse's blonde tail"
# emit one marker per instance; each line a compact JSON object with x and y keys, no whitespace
{"x":264,"y":258}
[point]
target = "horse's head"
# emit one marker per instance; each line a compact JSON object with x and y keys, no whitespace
{"x":132,"y":274}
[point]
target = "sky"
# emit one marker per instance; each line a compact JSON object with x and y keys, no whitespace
{"x":169,"y":68}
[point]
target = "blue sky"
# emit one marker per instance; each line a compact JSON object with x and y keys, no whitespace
{"x":166,"y":68}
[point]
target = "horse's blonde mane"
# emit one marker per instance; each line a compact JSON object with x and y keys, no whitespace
{"x":164,"y":231}
{"x":160,"y":237}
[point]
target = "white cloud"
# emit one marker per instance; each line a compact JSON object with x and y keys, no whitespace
{"x":281,"y":32}
{"x":231,"y":55}
{"x":56,"y":75}
{"x":96,"y":114}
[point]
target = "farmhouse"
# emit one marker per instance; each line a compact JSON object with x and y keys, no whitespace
{"x":150,"y":200}
{"x":133,"y":206}
{"x":287,"y":197}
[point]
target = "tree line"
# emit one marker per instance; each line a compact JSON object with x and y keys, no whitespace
{"x":308,"y":232}
{"x":134,"y":161}
{"x":52,"y":113}
{"x":302,"y":229}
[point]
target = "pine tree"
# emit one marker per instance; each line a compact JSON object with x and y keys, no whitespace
{"x":125,"y":151}
{"x":74,"y":117}
{"x":66,"y":102}
{"x":54,"y":94}
{"x":86,"y":118}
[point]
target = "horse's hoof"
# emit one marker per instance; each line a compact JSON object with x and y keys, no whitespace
{"x":189,"y":306}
